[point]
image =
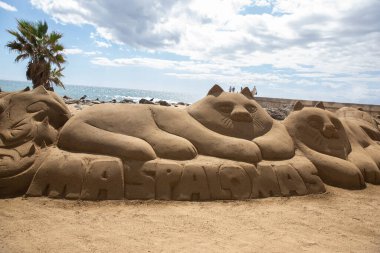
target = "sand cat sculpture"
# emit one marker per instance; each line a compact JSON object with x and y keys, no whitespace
{"x":364,"y":136}
{"x":29,"y":121}
{"x":224,"y":146}
{"x":321,"y":137}
{"x":223,"y":124}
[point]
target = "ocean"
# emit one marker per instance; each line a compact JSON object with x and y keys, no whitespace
{"x":106,"y":93}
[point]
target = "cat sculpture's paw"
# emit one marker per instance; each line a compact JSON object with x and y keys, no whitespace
{"x":248,"y":152}
{"x":368,"y":162}
{"x":171,"y":147}
{"x":182,"y":151}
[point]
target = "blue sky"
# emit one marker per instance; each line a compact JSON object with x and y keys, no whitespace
{"x":316,"y":49}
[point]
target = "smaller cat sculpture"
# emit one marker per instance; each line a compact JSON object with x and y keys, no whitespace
{"x":320,"y":136}
{"x":364,"y":136}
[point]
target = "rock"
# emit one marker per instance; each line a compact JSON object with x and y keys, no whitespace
{"x":278,"y":113}
{"x":72,"y":101}
{"x":145,"y":101}
{"x":164,"y":103}
{"x":127,"y":101}
{"x":66,"y":97}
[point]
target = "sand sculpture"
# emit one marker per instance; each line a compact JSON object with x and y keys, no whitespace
{"x":29,"y":121}
{"x":364,"y":136}
{"x":224,"y":146}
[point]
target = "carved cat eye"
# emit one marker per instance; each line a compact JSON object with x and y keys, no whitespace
{"x":225,"y":107}
{"x":315,"y":122}
{"x":336,"y":123}
{"x":251,"y":108}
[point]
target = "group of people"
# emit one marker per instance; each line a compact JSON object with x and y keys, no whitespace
{"x":253,"y":91}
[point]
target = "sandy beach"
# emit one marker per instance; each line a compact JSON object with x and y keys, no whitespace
{"x":337,"y":221}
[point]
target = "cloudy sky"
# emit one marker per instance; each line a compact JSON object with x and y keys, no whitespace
{"x":314,"y":49}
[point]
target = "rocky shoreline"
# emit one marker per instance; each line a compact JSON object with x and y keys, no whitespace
{"x":276,"y":113}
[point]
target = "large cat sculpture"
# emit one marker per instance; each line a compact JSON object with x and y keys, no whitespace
{"x":223,"y":124}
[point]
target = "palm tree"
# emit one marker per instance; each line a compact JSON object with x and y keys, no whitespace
{"x":43,"y":50}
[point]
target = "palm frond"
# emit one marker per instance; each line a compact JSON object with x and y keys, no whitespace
{"x":41,"y":28}
{"x":27,"y":29}
{"x":60,"y":58}
{"x":15,"y":46}
{"x":55,"y":76}
{"x":54,"y":37}
{"x":18,"y":36}
{"x":57,"y":48}
{"x":29,"y":49}
{"x":22,"y":57}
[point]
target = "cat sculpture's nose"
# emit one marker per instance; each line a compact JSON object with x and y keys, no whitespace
{"x":329,"y":131}
{"x":241,"y":114}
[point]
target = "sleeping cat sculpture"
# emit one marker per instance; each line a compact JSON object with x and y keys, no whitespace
{"x":29,"y":121}
{"x":364,"y":136}
{"x":320,"y":136}
{"x":223,"y":124}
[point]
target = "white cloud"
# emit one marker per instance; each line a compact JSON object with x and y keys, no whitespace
{"x":73,"y":51}
{"x":262,"y":3}
{"x":7,"y":7}
{"x":222,"y":39}
{"x":193,"y":67}
{"x":102,"y":44}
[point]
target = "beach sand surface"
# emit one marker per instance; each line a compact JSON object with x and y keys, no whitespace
{"x":336,"y":221}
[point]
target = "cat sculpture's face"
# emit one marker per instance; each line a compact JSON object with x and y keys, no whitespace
{"x":29,"y":121}
{"x":26,"y":114}
{"x":232,"y":114}
{"x":318,"y":129}
{"x":367,"y":127}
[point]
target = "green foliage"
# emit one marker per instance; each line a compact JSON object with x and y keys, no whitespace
{"x":33,"y":42}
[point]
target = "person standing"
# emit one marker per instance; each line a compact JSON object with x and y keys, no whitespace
{"x":254,"y":91}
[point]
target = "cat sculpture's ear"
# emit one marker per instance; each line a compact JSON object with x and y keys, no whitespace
{"x":216,"y":90}
{"x":298,"y":106}
{"x":320,"y":105}
{"x":246,"y":92}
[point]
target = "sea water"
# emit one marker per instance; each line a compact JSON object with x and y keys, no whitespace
{"x":106,"y":93}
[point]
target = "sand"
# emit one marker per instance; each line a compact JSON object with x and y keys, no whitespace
{"x":336,"y":221}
